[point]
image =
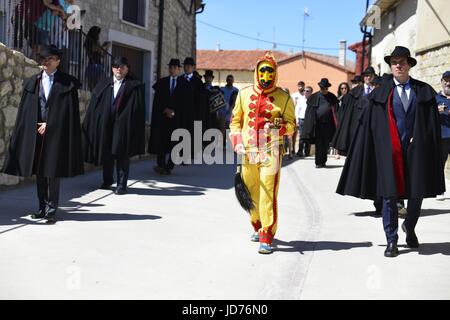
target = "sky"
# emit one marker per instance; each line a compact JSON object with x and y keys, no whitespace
{"x":329,"y":21}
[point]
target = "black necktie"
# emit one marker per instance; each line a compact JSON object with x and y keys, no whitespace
{"x":172,"y":85}
{"x":404,"y":97}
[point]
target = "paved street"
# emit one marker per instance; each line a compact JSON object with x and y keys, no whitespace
{"x":184,"y":236}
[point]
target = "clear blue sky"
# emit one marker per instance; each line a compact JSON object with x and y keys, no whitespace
{"x":329,"y":21}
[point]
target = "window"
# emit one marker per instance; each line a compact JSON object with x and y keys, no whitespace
{"x":134,"y":11}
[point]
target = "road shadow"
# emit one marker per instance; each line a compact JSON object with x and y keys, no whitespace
{"x":302,"y":246}
{"x":333,"y":166}
{"x":424,"y":213}
{"x":426,"y":249}
{"x":365,"y":214}
{"x":170,"y":191}
{"x":433,"y":212}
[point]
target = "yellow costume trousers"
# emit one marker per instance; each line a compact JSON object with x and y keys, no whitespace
{"x":262,"y":180}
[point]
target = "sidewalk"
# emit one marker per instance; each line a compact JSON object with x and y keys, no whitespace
{"x":184,"y":236}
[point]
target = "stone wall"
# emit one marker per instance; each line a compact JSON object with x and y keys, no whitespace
{"x":179,"y":33}
{"x":431,"y":64}
{"x":430,"y":67}
{"x":14,"y":68}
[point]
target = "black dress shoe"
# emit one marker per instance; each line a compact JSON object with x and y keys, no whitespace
{"x":51,"y":216}
{"x":105,"y":186}
{"x":411,"y":238}
{"x":120,"y":191}
{"x":39,"y":215}
{"x":391,"y":250}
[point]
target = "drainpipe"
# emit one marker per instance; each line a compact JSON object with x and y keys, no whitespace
{"x":160,"y":37}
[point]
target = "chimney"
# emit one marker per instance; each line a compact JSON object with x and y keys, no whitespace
{"x":218,"y":46}
{"x":291,"y":51}
{"x":342,"y":52}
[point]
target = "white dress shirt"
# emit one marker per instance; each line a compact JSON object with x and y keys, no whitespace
{"x":400,"y":89}
{"x":117,"y":84}
{"x":300,"y":104}
{"x":47,"y":83}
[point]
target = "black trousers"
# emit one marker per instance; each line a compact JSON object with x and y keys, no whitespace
{"x":304,"y":146}
{"x":48,"y":193}
{"x":390,"y":217}
{"x":164,"y":160}
{"x":445,"y":150}
{"x":322,"y":142}
{"x":122,"y":170}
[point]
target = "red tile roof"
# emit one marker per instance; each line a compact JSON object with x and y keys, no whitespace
{"x":327,"y":59}
{"x":239,"y":60}
{"x":244,"y":60}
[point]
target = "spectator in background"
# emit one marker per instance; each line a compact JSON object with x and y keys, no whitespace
{"x":96,"y":52}
{"x":230,"y":92}
{"x":356,"y":81}
{"x":443,"y":101}
{"x":320,"y":122}
{"x":300,"y":108}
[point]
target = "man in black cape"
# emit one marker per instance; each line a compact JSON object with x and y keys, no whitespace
{"x":320,"y":121}
{"x":396,"y":152}
{"x":350,"y":111}
{"x":194,"y":101}
{"x":167,"y":103}
{"x":46,"y":140}
{"x":114,"y":126}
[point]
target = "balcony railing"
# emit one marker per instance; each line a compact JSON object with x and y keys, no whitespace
{"x":28,"y":25}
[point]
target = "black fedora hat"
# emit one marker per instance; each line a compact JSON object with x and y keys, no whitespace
{"x":48,"y":51}
{"x":174,"y":62}
{"x":356,"y":79}
{"x":120,"y":61}
{"x":189,"y":61}
{"x":369,"y":70}
{"x":209,"y":73}
{"x":324,"y":83}
{"x":400,"y":51}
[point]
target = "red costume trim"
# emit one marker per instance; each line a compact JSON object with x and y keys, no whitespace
{"x":256,"y":225}
{"x":275,"y":205}
{"x":397,"y":153}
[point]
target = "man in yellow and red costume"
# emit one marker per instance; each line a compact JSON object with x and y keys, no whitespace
{"x":262,"y":115}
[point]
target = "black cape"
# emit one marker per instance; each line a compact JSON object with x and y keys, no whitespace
{"x":58,"y":152}
{"x":350,"y":111}
{"x":125,"y":134}
{"x":194,"y":103}
{"x":309,"y":125}
{"x":369,"y":171}
{"x":161,"y":126}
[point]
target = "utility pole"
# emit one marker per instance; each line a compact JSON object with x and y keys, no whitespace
{"x":305,"y":14}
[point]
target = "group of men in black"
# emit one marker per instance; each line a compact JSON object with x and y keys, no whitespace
{"x":392,"y":140}
{"x":391,"y":136}
{"x":49,"y":141}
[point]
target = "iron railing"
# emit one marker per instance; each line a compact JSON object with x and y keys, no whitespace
{"x":28,"y":25}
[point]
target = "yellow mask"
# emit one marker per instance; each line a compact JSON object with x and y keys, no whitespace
{"x":266,"y":72}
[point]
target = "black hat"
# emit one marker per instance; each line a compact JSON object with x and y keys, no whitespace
{"x":356,"y":79}
{"x":189,"y":61}
{"x":369,"y":70}
{"x":174,"y":62}
{"x":324,"y":83}
{"x":48,"y":51}
{"x":209,"y":73}
{"x":377,"y":80}
{"x":120,"y":61}
{"x":401,"y":52}
{"x":446,"y":74}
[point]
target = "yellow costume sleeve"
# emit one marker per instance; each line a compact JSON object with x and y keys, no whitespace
{"x":237,"y":119}
{"x":289,"y":117}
